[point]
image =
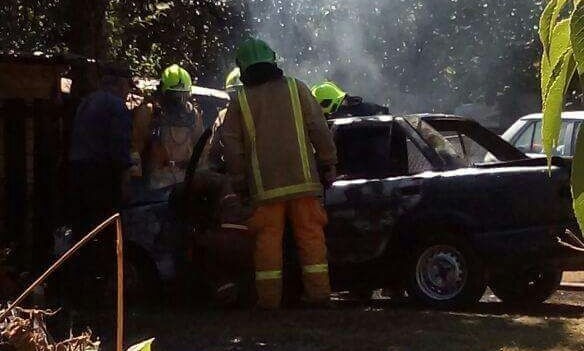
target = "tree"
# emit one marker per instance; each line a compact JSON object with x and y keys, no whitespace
{"x":416,"y":55}
{"x":562,"y":38}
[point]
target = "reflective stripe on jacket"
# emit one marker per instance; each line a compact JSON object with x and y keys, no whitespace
{"x":271,"y":133}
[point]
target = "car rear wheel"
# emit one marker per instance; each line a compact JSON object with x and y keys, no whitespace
{"x":526,"y":288}
{"x":445,"y":272}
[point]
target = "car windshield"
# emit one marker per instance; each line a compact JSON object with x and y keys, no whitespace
{"x":436,"y":140}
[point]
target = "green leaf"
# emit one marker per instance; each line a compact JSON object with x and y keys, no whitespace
{"x":577,"y":35}
{"x":554,"y":101}
{"x":547,"y":22}
{"x":556,"y":51}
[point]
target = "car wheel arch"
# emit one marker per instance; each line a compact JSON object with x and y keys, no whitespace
{"x":414,"y":229}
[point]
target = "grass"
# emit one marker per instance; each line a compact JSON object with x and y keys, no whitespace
{"x":382,"y":326}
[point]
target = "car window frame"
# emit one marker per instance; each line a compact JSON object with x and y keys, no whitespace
{"x":569,"y":137}
{"x":575,"y":136}
{"x":437,"y":162}
{"x":524,"y":129}
{"x":492,"y":142}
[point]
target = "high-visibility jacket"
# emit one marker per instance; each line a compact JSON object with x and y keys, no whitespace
{"x":164,"y":145}
{"x":273,"y":135}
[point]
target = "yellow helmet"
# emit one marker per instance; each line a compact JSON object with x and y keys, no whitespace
{"x":233,"y":79}
{"x":329,"y":96}
{"x":175,"y":78}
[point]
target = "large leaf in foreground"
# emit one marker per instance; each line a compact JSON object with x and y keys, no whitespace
{"x":556,"y":82}
{"x":577,"y":35}
{"x":547,"y":30}
{"x":555,"y":53}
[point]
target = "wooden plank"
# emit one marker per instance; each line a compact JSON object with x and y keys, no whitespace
{"x":2,"y":179}
{"x":29,"y":81}
{"x":14,"y":168}
{"x":46,"y":197}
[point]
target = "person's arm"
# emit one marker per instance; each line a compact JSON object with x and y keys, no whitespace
{"x":120,"y":135}
{"x":319,"y":134}
{"x":317,"y":128}
{"x":141,"y":121}
{"x":233,"y":147}
{"x":120,"y":144}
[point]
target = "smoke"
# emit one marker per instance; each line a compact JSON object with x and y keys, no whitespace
{"x":411,"y":55}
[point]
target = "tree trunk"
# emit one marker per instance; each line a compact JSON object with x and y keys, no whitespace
{"x":87,"y":37}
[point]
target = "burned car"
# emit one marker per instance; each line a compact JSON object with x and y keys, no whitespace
{"x":415,"y":208}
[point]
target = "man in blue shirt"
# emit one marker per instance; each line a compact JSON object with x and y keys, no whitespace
{"x":100,"y":151}
{"x":99,"y":162}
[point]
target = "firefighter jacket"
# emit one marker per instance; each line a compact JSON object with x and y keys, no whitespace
{"x":164,"y":143}
{"x":274,"y":134}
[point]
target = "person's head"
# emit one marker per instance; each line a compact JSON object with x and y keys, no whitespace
{"x":175,"y":85}
{"x":116,"y":80}
{"x":329,"y":96}
{"x":257,"y":62}
{"x":252,"y":52}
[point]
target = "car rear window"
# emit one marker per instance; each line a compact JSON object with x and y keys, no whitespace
{"x":364,"y":151}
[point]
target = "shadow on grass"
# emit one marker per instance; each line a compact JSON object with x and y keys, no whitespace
{"x":562,"y":310}
{"x":379,"y":326}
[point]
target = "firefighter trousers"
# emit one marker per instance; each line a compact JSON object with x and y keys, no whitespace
{"x":308,"y":219}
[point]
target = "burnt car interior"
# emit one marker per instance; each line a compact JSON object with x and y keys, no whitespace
{"x":378,"y":151}
{"x":473,"y":142}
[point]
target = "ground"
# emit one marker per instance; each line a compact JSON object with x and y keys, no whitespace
{"x":378,"y":325}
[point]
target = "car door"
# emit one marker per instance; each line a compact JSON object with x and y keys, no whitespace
{"x":376,"y":163}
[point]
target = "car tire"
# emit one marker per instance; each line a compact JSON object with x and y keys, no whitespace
{"x":527,"y":288}
{"x":445,"y":272}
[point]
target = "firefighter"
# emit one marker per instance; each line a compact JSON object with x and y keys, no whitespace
{"x":166,"y":130}
{"x":269,"y":135}
{"x":337,"y":103}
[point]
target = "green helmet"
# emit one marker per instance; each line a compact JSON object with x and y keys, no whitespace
{"x":233,"y":79}
{"x":254,"y":51}
{"x":329,"y":96}
{"x":175,"y":78}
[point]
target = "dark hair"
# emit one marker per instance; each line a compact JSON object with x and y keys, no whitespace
{"x":260,"y":73}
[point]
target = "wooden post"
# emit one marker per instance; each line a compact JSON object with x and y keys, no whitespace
{"x":120,"y":297}
{"x":15,"y":168}
{"x":46,"y":204}
{"x":120,"y":275}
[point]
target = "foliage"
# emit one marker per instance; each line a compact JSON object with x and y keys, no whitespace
{"x":32,"y":25}
{"x":200,"y":35}
{"x":563,"y":54}
{"x":440,"y":52}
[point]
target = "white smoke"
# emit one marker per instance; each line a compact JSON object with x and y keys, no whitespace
{"x":387,"y":51}
{"x":348,"y":41}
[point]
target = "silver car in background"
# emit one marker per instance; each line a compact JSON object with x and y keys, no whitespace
{"x":525,"y":134}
